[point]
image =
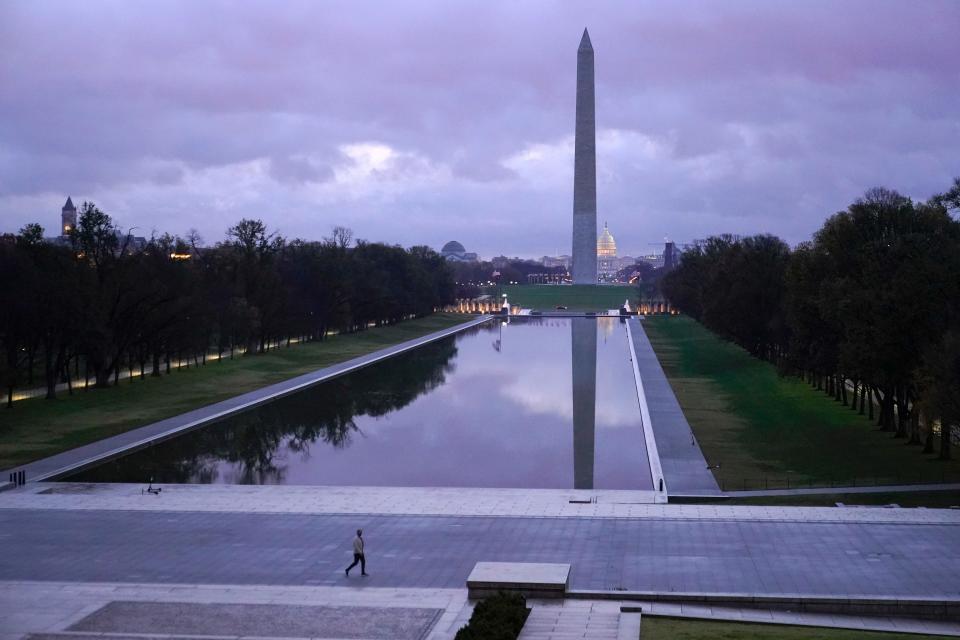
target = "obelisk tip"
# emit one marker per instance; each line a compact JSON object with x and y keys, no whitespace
{"x":585,"y":41}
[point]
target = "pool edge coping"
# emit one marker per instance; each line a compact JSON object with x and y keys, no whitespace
{"x":653,"y":455}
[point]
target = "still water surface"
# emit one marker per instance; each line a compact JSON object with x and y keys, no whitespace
{"x":539,"y":403}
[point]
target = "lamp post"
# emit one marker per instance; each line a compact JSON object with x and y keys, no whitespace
{"x":127,"y":238}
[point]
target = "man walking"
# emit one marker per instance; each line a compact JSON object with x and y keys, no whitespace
{"x":358,"y":555}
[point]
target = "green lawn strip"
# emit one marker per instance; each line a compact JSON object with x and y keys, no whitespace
{"x":658,"y":628}
{"x":768,"y":429}
{"x":38,"y":428}
{"x":576,"y":297}
{"x":930,"y":499}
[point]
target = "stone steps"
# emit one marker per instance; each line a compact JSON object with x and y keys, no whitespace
{"x":557,"y":623}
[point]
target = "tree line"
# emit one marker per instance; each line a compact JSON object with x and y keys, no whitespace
{"x":472,"y":277}
{"x":96,"y":304}
{"x":867,"y":311}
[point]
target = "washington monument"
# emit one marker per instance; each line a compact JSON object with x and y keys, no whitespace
{"x":585,"y":171}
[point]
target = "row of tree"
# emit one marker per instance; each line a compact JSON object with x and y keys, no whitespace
{"x":472,"y":277}
{"x":868,"y":311}
{"x":95,"y":304}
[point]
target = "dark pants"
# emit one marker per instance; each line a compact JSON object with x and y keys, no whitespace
{"x":359,"y":559}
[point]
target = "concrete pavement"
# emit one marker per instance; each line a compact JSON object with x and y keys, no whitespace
{"x":660,"y":554}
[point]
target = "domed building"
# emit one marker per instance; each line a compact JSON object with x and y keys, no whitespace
{"x":455,"y":252}
{"x":607,"y":263}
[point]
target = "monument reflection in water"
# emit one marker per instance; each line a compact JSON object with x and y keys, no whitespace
{"x":583,"y":362}
{"x":493,"y":406}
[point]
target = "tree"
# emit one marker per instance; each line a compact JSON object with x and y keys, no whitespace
{"x":736,"y":288}
{"x":20,"y":307}
{"x":31,"y":234}
{"x":342,"y":237}
{"x":252,"y":253}
{"x":948,"y":200}
{"x":110,"y":307}
{"x":869,"y":307}
{"x":96,"y":235}
{"x":940,"y":379}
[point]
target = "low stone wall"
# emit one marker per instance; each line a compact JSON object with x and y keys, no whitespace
{"x":928,"y":608}
{"x":531,"y":579}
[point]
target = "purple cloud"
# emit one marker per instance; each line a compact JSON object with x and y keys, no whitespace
{"x":424,"y":122}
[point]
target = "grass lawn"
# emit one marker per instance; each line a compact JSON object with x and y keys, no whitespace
{"x":38,"y":428}
{"x":576,"y":297}
{"x":931,"y":499}
{"x":758,"y":425}
{"x":657,"y":628}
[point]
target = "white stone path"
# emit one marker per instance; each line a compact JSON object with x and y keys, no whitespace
{"x":434,"y":501}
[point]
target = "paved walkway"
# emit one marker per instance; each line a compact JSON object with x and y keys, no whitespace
{"x":448,"y":501}
{"x":425,"y":501}
{"x":657,"y":554}
{"x":684,"y":467}
{"x":80,"y":457}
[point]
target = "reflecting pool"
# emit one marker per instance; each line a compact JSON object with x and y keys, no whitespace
{"x":539,"y":403}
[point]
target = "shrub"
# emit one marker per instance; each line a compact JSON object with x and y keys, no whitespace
{"x":498,"y":617}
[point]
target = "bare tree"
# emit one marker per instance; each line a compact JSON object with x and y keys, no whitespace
{"x":342,"y":237}
{"x":194,"y":239}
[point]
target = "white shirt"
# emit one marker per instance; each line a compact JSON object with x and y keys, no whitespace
{"x":358,"y":545}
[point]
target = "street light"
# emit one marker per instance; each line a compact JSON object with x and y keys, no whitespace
{"x":126,"y":240}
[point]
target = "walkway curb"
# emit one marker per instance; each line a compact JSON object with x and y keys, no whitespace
{"x":945,"y":608}
{"x":653,"y":456}
{"x":681,"y":458}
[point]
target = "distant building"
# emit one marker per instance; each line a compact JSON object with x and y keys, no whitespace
{"x":455,"y":252}
{"x":652,"y":259}
{"x":68,"y":218}
{"x":557,"y":261}
{"x":126,"y":242}
{"x":606,"y":254}
{"x":130,"y":243}
{"x":669,"y":256}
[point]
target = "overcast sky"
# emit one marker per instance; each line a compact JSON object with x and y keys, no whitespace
{"x":418,"y":123}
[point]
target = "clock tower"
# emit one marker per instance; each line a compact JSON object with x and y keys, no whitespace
{"x":68,"y":218}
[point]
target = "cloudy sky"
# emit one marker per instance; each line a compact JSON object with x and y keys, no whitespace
{"x":417,"y":123}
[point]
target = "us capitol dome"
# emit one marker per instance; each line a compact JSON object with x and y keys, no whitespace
{"x":606,"y":245}
{"x":607,"y":263}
